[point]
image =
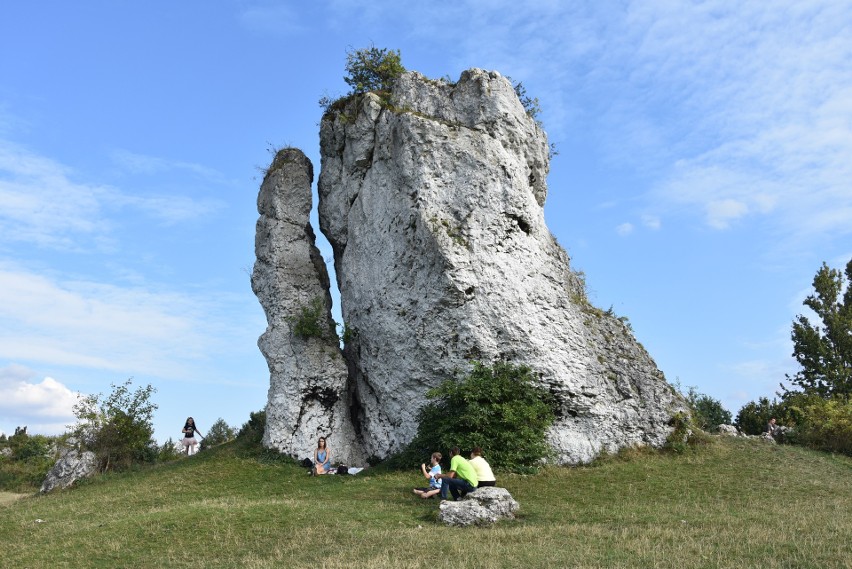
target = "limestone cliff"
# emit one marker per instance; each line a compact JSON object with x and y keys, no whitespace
{"x":308,"y":393}
{"x":433,"y":203}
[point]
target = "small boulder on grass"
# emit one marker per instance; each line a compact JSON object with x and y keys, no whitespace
{"x":728,"y":431}
{"x":483,"y":506}
{"x":72,"y":466}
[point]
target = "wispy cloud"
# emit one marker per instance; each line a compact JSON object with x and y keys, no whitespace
{"x":271,"y":18}
{"x":732,"y":111}
{"x":136,"y":163}
{"x":624,"y":229}
{"x":758,"y":103}
{"x":100,"y":326}
{"x":42,"y":204}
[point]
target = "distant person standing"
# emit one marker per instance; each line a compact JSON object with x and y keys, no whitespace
{"x":189,"y":430}
{"x":482,"y":468}
{"x":461,"y":479}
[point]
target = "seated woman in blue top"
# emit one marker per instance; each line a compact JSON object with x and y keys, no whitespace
{"x":322,"y":458}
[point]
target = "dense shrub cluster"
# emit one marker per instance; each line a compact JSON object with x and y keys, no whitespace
{"x":707,"y":413}
{"x":25,"y":460}
{"x":118,"y":429}
{"x":498,"y":408}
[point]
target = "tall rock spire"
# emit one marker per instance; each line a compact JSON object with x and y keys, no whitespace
{"x":309,"y":394}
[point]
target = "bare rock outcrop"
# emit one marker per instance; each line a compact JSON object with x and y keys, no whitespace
{"x":309,"y":395}
{"x":73,"y":464}
{"x":433,"y":203}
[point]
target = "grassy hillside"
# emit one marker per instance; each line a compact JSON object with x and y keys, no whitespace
{"x":733,"y":503}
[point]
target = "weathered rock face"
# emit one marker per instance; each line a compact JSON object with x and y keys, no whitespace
{"x":73,"y":465}
{"x":434,"y":208}
{"x":309,"y":395}
{"x":484,"y":506}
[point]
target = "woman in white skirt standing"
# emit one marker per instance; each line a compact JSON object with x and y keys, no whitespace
{"x":189,"y":431}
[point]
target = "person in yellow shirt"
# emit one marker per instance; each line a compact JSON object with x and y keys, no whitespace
{"x":482,"y":468}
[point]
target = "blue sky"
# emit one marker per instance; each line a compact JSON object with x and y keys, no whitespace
{"x":704,"y":173}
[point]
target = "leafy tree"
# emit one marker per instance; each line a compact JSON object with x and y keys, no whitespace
{"x":252,"y":431}
{"x":498,"y":408}
{"x":118,"y":429}
{"x":218,"y":433}
{"x":707,"y":413}
{"x":825,"y":352}
{"x":372,"y":69}
{"x":753,"y":416}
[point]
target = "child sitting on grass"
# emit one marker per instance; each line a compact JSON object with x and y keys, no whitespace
{"x":434,"y":483}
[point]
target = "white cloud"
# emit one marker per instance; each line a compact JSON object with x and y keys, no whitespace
{"x":624,"y":229}
{"x":45,"y":407}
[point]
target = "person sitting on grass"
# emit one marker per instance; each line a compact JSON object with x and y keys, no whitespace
{"x":322,"y":458}
{"x":434,"y":481}
{"x":482,"y":468}
{"x":461,"y":479}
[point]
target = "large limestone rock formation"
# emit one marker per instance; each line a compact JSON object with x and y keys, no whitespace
{"x":434,"y":207}
{"x":308,"y":392}
{"x":433,"y":204}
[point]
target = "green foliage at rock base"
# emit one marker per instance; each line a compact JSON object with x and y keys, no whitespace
{"x":707,"y":413}
{"x":498,"y":408}
{"x":753,"y":417}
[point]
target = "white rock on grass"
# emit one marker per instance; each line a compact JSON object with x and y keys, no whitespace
{"x":483,"y":506}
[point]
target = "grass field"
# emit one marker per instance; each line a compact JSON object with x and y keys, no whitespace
{"x":733,"y":503}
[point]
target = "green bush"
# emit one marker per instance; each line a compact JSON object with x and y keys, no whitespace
{"x":169,"y":451}
{"x":31,"y":457}
{"x":312,"y":322}
{"x":372,"y":69}
{"x":707,"y":413}
{"x":218,"y":433}
{"x":252,"y":431}
{"x":24,"y":446}
{"x":497,"y":408}
{"x":118,"y":429}
{"x":826,"y":424}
